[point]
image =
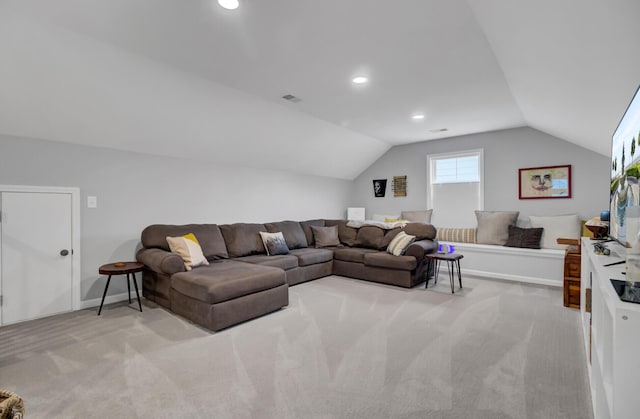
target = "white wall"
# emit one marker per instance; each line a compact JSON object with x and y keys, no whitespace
{"x":135,"y":190}
{"x":504,"y":153}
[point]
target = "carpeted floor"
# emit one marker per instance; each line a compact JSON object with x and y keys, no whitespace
{"x":343,"y":348}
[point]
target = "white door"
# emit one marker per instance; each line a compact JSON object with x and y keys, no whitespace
{"x":35,"y":255}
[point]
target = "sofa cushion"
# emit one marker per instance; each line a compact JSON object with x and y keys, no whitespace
{"x":399,"y":244}
{"x":306,"y":227}
{"x":493,"y":226}
{"x":388,"y":236}
{"x":351,"y":254}
{"x":348,"y":235}
{"x":385,"y":260}
{"x":278,"y":261}
{"x":310,"y":256}
{"x":421,"y":231}
{"x":226,"y":280}
{"x":274,"y":243}
{"x":188,"y":248}
{"x":524,"y":237}
{"x":417,"y":216}
{"x":292,"y":232}
{"x":208,"y":235}
{"x":370,"y":237}
{"x":325,"y":236}
{"x":243,"y":239}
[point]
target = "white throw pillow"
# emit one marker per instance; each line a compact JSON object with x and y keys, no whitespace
{"x":399,"y":244}
{"x":189,"y":249}
{"x":559,"y":226}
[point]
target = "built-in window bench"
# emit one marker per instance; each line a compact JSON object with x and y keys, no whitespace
{"x":536,"y":266}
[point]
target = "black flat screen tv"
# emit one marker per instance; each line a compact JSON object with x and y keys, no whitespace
{"x":625,"y":171}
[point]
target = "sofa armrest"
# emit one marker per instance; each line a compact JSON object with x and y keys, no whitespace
{"x":159,"y":260}
{"x":420,"y":248}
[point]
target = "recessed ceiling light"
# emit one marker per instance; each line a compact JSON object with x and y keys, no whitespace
{"x":417,"y":116}
{"x":359,"y":79}
{"x":229,"y":4}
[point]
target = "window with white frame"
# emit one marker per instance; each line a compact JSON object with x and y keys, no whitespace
{"x":455,"y":187}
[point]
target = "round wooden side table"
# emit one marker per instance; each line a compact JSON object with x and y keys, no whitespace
{"x":121,"y":268}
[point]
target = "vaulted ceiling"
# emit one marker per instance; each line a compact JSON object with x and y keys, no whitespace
{"x":190,"y":79}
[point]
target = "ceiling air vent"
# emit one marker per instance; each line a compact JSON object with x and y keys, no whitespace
{"x":291,"y":98}
{"x":439,"y":130}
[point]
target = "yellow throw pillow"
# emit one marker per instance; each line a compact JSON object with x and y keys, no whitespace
{"x":188,"y":248}
{"x":395,"y":220}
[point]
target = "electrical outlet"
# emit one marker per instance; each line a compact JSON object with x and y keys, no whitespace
{"x":92,"y":202}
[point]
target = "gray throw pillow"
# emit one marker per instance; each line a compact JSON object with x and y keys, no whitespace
{"x":493,"y":226}
{"x":325,"y":236}
{"x":274,"y":243}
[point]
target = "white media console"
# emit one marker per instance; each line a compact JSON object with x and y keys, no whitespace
{"x":611,"y":336}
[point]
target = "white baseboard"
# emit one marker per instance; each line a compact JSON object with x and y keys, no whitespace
{"x":516,"y":278}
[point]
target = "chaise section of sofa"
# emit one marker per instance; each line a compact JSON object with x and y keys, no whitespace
{"x":216,"y":296}
{"x":228,"y":292}
{"x":161,"y":264}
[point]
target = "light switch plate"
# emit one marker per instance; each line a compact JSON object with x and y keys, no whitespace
{"x":92,"y":202}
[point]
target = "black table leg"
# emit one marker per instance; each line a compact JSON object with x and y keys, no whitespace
{"x":459,"y":274}
{"x":135,"y":284}
{"x":431,"y":264}
{"x":128,"y":289}
{"x":450,"y":269}
{"x":104,"y":294}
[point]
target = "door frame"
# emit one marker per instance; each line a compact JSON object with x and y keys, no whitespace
{"x":75,"y":231}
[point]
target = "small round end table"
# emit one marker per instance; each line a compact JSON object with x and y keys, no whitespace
{"x":121,"y":268}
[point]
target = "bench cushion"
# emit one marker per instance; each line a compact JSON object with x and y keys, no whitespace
{"x":226,"y":280}
{"x":385,"y":260}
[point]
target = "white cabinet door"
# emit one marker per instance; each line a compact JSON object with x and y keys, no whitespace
{"x":36,"y":255}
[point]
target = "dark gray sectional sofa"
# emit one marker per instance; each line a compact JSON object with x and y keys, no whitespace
{"x":241,"y":282}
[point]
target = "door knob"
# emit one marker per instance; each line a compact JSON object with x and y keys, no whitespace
{"x":64,"y":252}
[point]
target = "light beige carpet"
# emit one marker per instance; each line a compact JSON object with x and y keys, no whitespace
{"x":343,"y":348}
